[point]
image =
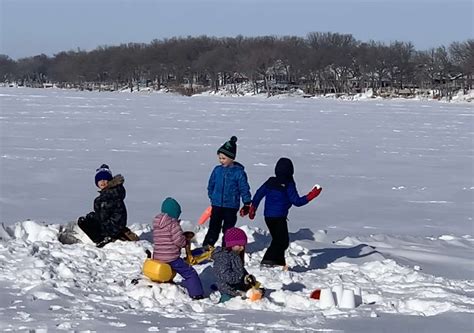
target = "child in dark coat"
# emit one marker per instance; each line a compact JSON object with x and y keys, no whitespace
{"x":109,"y":219}
{"x":168,"y":240}
{"x":227,"y":184}
{"x":232,"y":277}
{"x":280,"y":194}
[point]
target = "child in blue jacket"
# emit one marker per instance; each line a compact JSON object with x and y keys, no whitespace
{"x":280,"y":194}
{"x":227,"y":184}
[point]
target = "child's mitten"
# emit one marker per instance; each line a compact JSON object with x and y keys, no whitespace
{"x":245,"y":209}
{"x":252,"y":211}
{"x":250,"y":280}
{"x":314,"y":192}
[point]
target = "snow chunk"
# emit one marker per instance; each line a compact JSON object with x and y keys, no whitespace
{"x":34,"y":232}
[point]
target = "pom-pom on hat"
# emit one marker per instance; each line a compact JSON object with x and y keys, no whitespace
{"x":103,"y":173}
{"x":229,"y":148}
{"x":171,"y":207}
{"x":235,"y":236}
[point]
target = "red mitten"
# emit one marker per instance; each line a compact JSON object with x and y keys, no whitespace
{"x":252,"y":212}
{"x":245,"y":210}
{"x":314,"y":192}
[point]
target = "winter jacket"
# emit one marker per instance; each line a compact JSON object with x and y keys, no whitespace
{"x":229,"y":270}
{"x":278,"y":199}
{"x":109,"y":208}
{"x":168,"y":238}
{"x":227,"y":185}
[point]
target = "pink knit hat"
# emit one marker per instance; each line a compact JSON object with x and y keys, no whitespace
{"x":235,"y":236}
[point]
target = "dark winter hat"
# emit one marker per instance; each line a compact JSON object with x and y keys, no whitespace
{"x":171,"y":207}
{"x":235,"y":236}
{"x":103,"y":173}
{"x":229,"y":148}
{"x":284,"y":169}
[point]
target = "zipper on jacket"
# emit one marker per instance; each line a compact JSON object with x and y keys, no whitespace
{"x":223,"y":187}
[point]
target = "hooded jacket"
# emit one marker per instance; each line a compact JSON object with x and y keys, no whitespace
{"x":109,"y":208}
{"x":168,"y":238}
{"x":279,"y":191}
{"x":227,"y":185}
{"x":229,"y":270}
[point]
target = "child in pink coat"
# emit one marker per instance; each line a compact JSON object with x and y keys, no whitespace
{"x":168,"y":240}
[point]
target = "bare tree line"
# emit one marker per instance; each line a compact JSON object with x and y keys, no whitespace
{"x":320,"y":63}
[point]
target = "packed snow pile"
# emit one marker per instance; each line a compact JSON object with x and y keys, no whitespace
{"x":462,"y":97}
{"x":250,"y":89}
{"x":86,"y":287}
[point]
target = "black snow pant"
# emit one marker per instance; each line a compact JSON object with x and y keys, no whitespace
{"x":275,"y":254}
{"x":91,"y":226}
{"x":222,"y":218}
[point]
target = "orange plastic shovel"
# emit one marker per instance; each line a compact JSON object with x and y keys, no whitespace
{"x":205,"y":215}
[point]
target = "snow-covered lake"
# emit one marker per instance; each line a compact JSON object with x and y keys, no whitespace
{"x":396,"y":175}
{"x":386,"y":166}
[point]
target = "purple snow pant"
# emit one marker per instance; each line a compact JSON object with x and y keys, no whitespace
{"x":191,"y":279}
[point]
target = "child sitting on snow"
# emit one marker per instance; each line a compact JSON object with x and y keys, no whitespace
{"x":232,"y":277}
{"x":108,"y":221}
{"x":168,"y":240}
{"x":280,"y":193}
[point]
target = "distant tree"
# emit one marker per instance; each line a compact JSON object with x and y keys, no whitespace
{"x":257,"y":56}
{"x":8,"y":69}
{"x":292,"y":53}
{"x":34,"y":70}
{"x":462,"y":54}
{"x":371,"y":59}
{"x":333,"y":56}
{"x":322,"y":62}
{"x":401,"y":65}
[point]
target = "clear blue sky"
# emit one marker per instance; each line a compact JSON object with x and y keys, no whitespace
{"x":31,"y":27}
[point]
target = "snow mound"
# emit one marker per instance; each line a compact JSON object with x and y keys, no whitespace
{"x":464,"y":97}
{"x":33,"y":232}
{"x":81,"y":283}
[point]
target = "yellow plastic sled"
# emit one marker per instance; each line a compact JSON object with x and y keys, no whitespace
{"x":158,"y":271}
{"x":199,"y":255}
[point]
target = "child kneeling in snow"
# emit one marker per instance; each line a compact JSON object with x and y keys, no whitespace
{"x":168,"y":240}
{"x":232,"y":277}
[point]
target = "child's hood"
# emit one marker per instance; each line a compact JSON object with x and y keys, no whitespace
{"x":116,"y":181}
{"x":163,"y":220}
{"x":114,"y":189}
{"x":234,"y":165}
{"x":238,"y":165}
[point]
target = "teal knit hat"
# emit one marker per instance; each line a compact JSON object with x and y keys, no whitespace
{"x":171,"y":207}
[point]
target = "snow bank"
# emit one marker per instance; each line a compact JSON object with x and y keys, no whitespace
{"x":461,"y":97}
{"x":82,"y":283}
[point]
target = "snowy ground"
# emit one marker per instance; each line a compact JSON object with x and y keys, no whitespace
{"x":394,"y":219}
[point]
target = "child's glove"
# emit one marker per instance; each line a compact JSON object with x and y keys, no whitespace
{"x":189,"y":235}
{"x":250,"y":280}
{"x":245,"y":210}
{"x":314,"y":192}
{"x":252,"y":212}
